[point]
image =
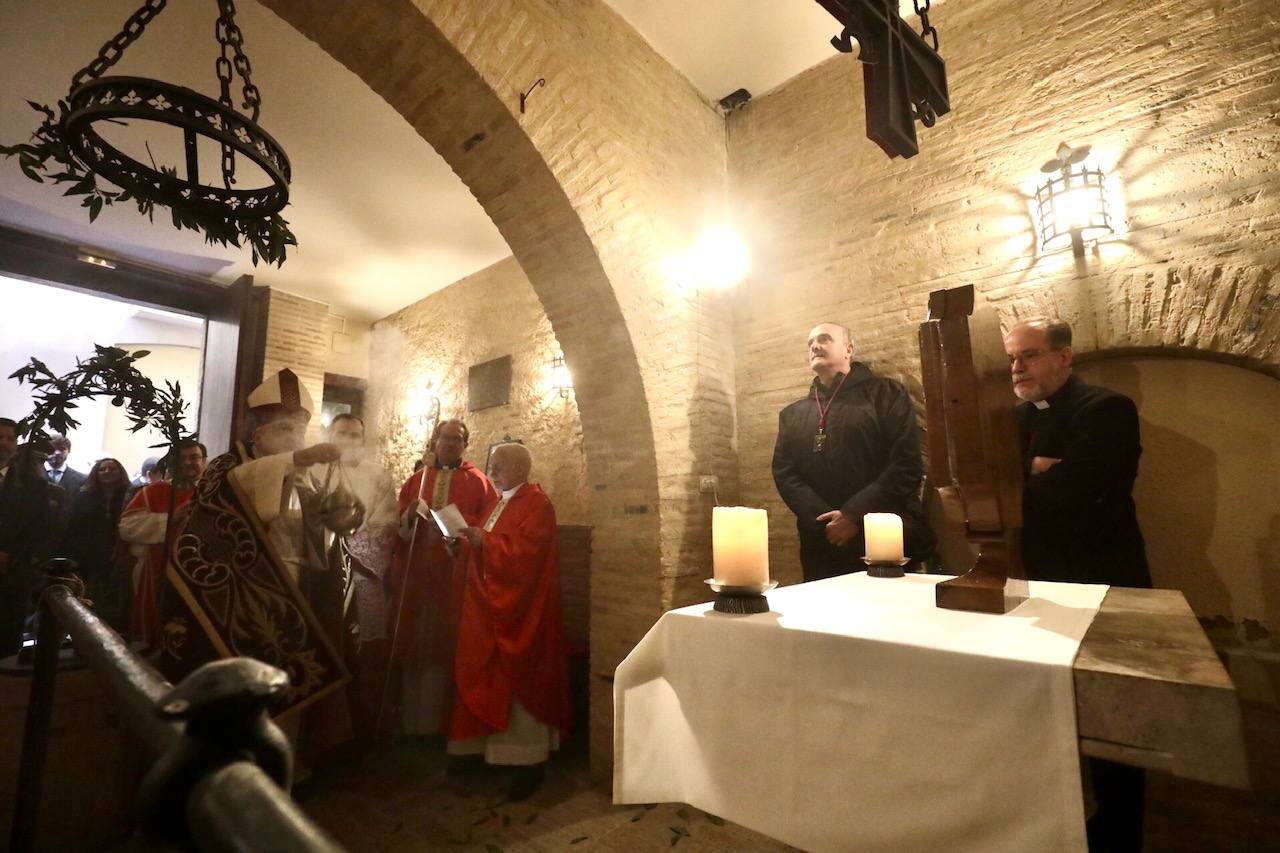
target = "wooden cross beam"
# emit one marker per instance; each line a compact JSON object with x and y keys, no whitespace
{"x":905,"y":79}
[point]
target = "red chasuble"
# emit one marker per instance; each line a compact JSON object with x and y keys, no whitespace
{"x":511,"y":639}
{"x":432,"y":591}
{"x":151,"y":500}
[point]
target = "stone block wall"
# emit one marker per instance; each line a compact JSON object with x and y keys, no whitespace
{"x":298,"y":338}
{"x":426,"y":350}
{"x":1181,"y":102}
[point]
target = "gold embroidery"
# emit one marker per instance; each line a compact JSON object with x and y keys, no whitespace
{"x":440,"y":492}
{"x":495,"y":515}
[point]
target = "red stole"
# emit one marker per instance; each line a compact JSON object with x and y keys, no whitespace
{"x":144,"y":623}
{"x":431,"y":588}
{"x":511,"y":638}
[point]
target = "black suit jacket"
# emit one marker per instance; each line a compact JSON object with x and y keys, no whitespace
{"x":71,"y":481}
{"x":1079,"y":520}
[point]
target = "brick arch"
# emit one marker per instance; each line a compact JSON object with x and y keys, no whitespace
{"x":1224,"y":312}
{"x":399,"y":51}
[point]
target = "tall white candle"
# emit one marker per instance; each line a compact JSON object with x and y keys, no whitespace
{"x":884,"y":536}
{"x":740,"y":545}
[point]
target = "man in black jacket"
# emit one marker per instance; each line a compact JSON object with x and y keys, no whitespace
{"x":850,"y":447}
{"x":1080,"y":449}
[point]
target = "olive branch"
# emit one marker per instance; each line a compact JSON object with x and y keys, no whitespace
{"x":109,"y":372}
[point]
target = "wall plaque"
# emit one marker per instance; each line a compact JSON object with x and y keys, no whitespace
{"x":489,"y":384}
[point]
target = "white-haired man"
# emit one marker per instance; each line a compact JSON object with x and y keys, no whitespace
{"x":511,"y":667}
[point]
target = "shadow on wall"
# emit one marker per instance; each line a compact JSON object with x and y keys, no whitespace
{"x":1177,"y":498}
{"x":1206,"y":486}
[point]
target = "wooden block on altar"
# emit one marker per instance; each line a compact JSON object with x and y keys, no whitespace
{"x":973,"y":447}
{"x":1151,"y":691}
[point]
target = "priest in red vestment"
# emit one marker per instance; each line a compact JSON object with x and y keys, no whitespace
{"x":511,"y":667}
{"x":144,"y":525}
{"x":426,"y":578}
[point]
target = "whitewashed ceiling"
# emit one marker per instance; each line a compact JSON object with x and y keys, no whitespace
{"x":381,"y":219}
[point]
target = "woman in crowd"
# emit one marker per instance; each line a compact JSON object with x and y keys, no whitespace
{"x":90,"y":539}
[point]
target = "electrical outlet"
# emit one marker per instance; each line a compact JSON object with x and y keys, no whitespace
{"x":708,"y":484}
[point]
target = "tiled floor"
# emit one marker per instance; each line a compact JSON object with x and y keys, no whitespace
{"x":396,"y":800}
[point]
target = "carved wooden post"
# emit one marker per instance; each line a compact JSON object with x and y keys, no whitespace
{"x":974,"y":456}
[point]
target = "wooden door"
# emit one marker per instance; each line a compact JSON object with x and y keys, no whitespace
{"x":234,"y":349}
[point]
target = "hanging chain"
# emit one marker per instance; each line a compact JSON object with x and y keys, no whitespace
{"x":927,"y":30}
{"x":229,"y":35}
{"x":231,"y":40}
{"x":923,"y":109}
{"x":111,"y":52}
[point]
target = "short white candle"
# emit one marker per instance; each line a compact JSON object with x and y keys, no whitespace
{"x":884,"y":536}
{"x":740,"y":545}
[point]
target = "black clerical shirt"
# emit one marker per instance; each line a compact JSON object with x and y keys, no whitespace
{"x":1079,"y":520}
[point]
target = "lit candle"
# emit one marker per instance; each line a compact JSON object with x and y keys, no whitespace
{"x":884,"y":536}
{"x":740,"y":545}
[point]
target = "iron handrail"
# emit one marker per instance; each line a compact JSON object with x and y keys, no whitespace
{"x":230,"y":805}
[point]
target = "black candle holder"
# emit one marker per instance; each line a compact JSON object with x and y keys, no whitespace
{"x":740,"y":599}
{"x":884,"y":568}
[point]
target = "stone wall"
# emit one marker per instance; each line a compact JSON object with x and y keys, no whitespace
{"x":1179,"y":100}
{"x":425,"y":351}
{"x":298,"y":338}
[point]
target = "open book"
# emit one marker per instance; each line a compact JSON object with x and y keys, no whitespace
{"x":450,"y":521}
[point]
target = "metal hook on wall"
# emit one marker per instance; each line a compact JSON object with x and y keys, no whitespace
{"x":524,"y":96}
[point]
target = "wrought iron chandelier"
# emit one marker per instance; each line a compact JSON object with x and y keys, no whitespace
{"x":69,"y":147}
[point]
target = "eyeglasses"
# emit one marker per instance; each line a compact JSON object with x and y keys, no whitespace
{"x":1030,"y":356}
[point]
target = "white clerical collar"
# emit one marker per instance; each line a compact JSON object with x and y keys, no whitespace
{"x":507,"y":493}
{"x":1041,"y":404}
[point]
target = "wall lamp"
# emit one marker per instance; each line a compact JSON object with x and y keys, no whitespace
{"x":561,"y":380}
{"x":1072,"y":203}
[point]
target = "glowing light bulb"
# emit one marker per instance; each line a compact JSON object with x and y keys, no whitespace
{"x":719,"y":259}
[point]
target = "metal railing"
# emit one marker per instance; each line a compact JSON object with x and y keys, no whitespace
{"x":219,"y":768}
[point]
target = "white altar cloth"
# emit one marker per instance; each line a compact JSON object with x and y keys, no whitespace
{"x":856,"y":715}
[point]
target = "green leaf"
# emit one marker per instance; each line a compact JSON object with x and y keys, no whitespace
{"x":29,"y":170}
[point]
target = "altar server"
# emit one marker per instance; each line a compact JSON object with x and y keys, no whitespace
{"x":512,"y":670}
{"x":369,"y":549}
{"x":143,"y":526}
